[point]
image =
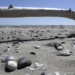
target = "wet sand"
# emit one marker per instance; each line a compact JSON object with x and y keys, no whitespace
{"x":27,"y":37}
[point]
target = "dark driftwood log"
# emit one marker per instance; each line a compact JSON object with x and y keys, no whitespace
{"x":12,"y":11}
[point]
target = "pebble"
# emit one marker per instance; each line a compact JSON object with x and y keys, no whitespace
{"x":33,"y":53}
{"x":24,"y":62}
{"x":43,"y":73}
{"x":11,"y":65}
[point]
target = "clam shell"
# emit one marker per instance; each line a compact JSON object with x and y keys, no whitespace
{"x":8,"y":58}
{"x":66,"y":53}
{"x":11,"y":65}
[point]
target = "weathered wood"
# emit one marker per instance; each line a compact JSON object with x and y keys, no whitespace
{"x":12,"y":11}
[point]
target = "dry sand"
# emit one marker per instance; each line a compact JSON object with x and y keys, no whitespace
{"x":28,"y":36}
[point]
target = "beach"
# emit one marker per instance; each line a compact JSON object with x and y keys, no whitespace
{"x":24,"y":39}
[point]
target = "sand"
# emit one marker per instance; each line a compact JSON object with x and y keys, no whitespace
{"x":42,"y":36}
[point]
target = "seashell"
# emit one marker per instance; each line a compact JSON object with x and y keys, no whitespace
{"x":60,"y":47}
{"x":37,"y":64}
{"x":24,"y":62}
{"x":11,"y":65}
{"x":7,"y":50}
{"x":36,"y":46}
{"x":16,"y":48}
{"x":66,"y":53}
{"x":32,"y":69}
{"x":8,"y":58}
{"x":29,"y":73}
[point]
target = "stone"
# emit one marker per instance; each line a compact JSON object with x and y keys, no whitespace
{"x":11,"y":65}
{"x":33,"y":53}
{"x":43,"y":73}
{"x":24,"y":62}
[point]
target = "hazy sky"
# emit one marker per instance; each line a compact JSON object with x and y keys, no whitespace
{"x":64,"y":4}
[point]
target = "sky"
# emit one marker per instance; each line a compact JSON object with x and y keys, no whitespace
{"x":64,"y":4}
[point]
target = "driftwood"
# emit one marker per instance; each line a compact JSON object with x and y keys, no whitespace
{"x":12,"y":11}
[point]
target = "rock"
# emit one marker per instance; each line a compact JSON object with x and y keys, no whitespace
{"x":11,"y":65}
{"x":62,"y":42}
{"x":43,"y":73}
{"x":33,"y":53}
{"x":24,"y":62}
{"x":56,"y":37}
{"x":8,"y":58}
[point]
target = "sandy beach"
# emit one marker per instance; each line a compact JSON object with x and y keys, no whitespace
{"x":46,"y":55}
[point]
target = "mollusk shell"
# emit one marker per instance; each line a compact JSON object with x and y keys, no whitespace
{"x":8,"y":58}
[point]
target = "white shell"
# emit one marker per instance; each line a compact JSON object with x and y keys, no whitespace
{"x":37,"y":64}
{"x":8,"y":58}
{"x":7,"y":50}
{"x":36,"y":46}
{"x":59,"y":47}
{"x":65,"y":52}
{"x":11,"y":65}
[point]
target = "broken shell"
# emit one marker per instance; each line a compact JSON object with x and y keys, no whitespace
{"x":11,"y":65}
{"x":16,"y":48}
{"x":36,"y":46}
{"x":7,"y":50}
{"x":37,"y":64}
{"x":8,"y":58}
{"x":66,"y":53}
{"x":60,"y":47}
{"x":9,"y":46}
